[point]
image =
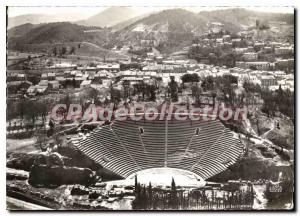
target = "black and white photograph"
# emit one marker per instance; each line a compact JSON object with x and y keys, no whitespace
{"x":150,"y":108}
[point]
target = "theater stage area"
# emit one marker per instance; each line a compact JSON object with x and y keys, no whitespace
{"x":162,"y":177}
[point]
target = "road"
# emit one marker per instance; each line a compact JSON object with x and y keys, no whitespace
{"x":16,"y":204}
{"x":20,"y":145}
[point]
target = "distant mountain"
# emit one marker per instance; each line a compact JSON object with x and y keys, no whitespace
{"x":30,"y":18}
{"x":20,"y":30}
{"x":234,"y":19}
{"x":59,"y":32}
{"x":109,"y":17}
{"x":173,"y":27}
{"x":176,"y":25}
{"x":42,"y":18}
{"x":176,"y":19}
{"x":128,"y":22}
{"x":182,"y":20}
{"x":168,"y":30}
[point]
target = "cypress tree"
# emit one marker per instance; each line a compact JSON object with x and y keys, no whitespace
{"x":135,"y":183}
{"x":150,"y":198}
{"x":173,"y":197}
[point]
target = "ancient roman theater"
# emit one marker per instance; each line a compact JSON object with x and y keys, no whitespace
{"x":163,"y":149}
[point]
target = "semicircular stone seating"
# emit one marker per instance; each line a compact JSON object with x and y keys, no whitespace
{"x":203,"y":147}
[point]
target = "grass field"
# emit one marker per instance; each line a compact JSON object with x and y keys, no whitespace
{"x":82,"y":50}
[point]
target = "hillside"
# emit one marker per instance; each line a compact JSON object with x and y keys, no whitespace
{"x":20,"y":30}
{"x":126,"y":23}
{"x":238,"y":18}
{"x":41,"y":18}
{"x":182,"y":20}
{"x":92,"y":50}
{"x":60,"y":32}
{"x":109,"y":17}
{"x":168,"y":28}
{"x":29,"y":18}
{"x":177,"y":20}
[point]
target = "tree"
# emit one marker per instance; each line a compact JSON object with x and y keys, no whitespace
{"x":140,"y":88}
{"x":54,"y":51}
{"x":256,"y":118}
{"x":269,"y":103}
{"x":40,"y":136}
{"x":150,"y":195}
{"x":173,"y":89}
{"x":250,"y":90}
{"x":93,"y":94}
{"x":284,"y":100}
{"x":214,"y":95}
{"x":115,"y":96}
{"x":173,"y":198}
{"x":49,"y":62}
{"x":42,"y":110}
{"x":126,"y":88}
{"x":279,"y":95}
{"x":196,"y":93}
{"x":30,"y":111}
{"x":20,"y":108}
{"x":208,"y":83}
{"x":63,"y":50}
{"x":72,"y":50}
{"x":58,"y":137}
{"x":138,"y":201}
{"x":152,"y":92}
{"x":257,"y":23}
{"x":144,"y":198}
{"x":226,"y":87}
{"x":135,"y":183}
{"x":190,"y":78}
{"x":66,"y":100}
{"x":12,"y":110}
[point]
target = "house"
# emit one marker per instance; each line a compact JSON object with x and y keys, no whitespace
{"x":250,"y":56}
{"x":21,"y":77}
{"x":258,"y":46}
{"x":236,"y":42}
{"x":286,"y":84}
{"x":240,"y":50}
{"x":159,"y":59}
{"x":227,"y":45}
{"x":226,"y":37}
{"x":284,"y":64}
{"x":43,"y":83}
{"x":255,"y":65}
{"x":268,"y":80}
{"x":51,"y":76}
{"x":67,"y":74}
{"x":37,"y":89}
{"x":267,"y":49}
{"x":284,"y":50}
{"x":279,"y":75}
{"x":44,"y":76}
{"x":115,"y":67}
{"x":63,"y":65}
{"x":54,"y":84}
{"x":61,"y":80}
{"x":86,"y":83}
{"x":219,"y":40}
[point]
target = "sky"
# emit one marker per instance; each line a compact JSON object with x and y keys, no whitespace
{"x":85,"y":12}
